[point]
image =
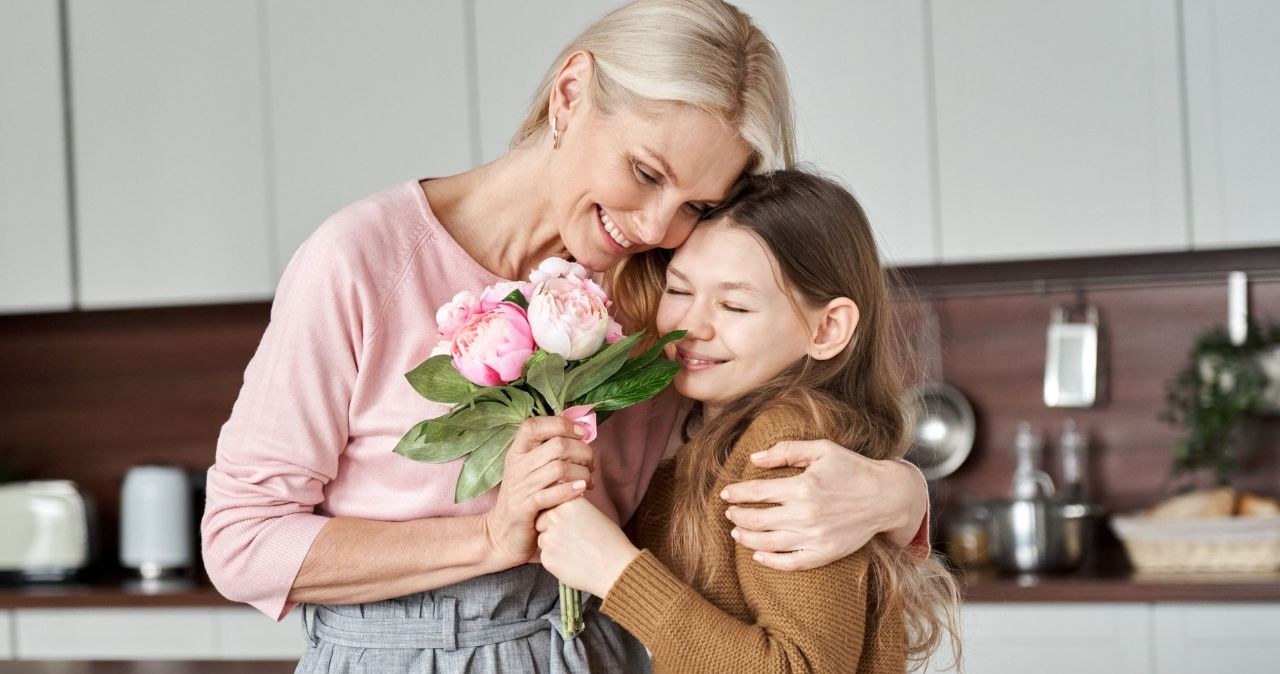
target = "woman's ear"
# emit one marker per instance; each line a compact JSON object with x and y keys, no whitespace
{"x":836,"y":324}
{"x":571,"y":84}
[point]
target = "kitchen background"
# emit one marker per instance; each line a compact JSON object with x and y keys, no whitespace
{"x":160,"y":161}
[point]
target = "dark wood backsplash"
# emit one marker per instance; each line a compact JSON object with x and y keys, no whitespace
{"x":86,"y":395}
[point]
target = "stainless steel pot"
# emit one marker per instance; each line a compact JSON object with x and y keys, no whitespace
{"x":1038,"y":535}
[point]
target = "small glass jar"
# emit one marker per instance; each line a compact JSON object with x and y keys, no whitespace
{"x":967,"y":541}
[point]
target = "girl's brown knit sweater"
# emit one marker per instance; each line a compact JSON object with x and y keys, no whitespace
{"x":749,"y":617}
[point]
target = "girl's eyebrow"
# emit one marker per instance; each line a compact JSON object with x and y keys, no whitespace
{"x":742,"y":286}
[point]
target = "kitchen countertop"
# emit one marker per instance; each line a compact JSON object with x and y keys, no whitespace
{"x":979,"y":587}
{"x":147,"y":667}
{"x":115,"y":593}
{"x":985,"y":586}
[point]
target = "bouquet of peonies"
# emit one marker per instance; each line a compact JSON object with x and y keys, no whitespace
{"x":521,"y":349}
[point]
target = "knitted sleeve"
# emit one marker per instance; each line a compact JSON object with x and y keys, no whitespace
{"x":801,"y":621}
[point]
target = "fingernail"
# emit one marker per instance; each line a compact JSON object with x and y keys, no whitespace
{"x":579,"y":485}
{"x":579,"y":431}
{"x":726,"y":514}
{"x":758,"y":557}
{"x":734,"y":533}
{"x":724,"y":494}
{"x":759,"y":455}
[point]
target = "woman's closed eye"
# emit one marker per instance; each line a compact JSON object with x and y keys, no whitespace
{"x":647,"y":176}
{"x":644,"y":174}
{"x":735,"y":308}
{"x":676,"y":291}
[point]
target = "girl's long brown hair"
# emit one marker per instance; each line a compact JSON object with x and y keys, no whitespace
{"x":824,"y":248}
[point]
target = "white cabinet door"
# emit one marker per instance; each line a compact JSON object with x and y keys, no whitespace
{"x":35,"y":230}
{"x":1054,"y":639}
{"x":6,"y":635}
{"x":1212,"y":638}
{"x":362,"y":95}
{"x":247,"y":634}
{"x":859,"y":75}
{"x":170,"y":151}
{"x":1059,"y":128}
{"x":1233,"y":102}
{"x":516,"y":43}
{"x":114,"y":634}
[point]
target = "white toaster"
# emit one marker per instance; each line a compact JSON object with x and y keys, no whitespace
{"x":47,"y":535}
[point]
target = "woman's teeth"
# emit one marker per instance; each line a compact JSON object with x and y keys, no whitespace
{"x":613,"y":229}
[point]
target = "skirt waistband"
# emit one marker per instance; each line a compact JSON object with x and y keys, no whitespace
{"x":446,"y":632}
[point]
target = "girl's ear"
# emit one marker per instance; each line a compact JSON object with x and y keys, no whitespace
{"x":836,"y":323}
{"x":570,"y":86}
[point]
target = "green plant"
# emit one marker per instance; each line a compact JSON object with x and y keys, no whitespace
{"x":1211,"y":396}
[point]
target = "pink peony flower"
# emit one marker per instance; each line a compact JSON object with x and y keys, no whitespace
{"x":554,"y":267}
{"x":491,"y":348}
{"x":498,"y":291}
{"x":584,"y":416}
{"x":614,"y":333}
{"x":569,"y":316}
{"x":457,"y":312}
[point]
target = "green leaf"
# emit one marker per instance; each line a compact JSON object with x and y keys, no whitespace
{"x":521,"y":403}
{"x":626,"y":391}
{"x":517,"y":298}
{"x":483,"y":468}
{"x":489,"y":414}
{"x":485,"y":394}
{"x":652,"y":353}
{"x":447,"y":449}
{"x":435,"y":379}
{"x":595,"y":370}
{"x":545,"y":373}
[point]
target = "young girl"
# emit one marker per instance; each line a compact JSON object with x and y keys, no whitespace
{"x":789,"y":338}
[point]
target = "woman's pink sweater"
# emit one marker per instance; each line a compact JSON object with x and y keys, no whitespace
{"x":325,"y":401}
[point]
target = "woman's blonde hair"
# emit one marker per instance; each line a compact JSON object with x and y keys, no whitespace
{"x":704,"y":53}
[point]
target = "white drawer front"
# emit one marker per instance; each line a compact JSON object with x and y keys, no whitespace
{"x":244,"y":633}
{"x":114,"y":633}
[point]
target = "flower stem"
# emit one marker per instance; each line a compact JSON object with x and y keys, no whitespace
{"x":570,"y":611}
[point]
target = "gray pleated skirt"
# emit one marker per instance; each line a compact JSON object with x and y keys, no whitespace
{"x":503,"y":622}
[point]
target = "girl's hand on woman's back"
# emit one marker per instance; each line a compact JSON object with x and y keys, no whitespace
{"x":830,"y":510}
{"x":548,"y":464}
{"x":583,"y":547}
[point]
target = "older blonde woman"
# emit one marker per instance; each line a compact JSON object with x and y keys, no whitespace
{"x":642,"y":125}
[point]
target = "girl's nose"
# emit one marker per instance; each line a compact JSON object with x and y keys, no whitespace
{"x":697,"y":322}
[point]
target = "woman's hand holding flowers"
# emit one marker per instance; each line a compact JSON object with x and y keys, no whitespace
{"x":548,"y":464}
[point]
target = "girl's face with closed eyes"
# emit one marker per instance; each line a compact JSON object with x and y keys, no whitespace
{"x":724,"y":288}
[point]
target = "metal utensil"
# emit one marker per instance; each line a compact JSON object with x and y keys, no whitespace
{"x":1071,"y":360}
{"x":940,"y":417}
{"x":1038,"y":535}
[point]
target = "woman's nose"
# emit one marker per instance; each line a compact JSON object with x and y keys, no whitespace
{"x":656,"y":221}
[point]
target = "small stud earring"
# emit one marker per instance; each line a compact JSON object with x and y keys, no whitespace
{"x":555,"y":134}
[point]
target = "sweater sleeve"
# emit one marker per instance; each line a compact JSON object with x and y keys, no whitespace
{"x":802,"y":621}
{"x":287,"y":429}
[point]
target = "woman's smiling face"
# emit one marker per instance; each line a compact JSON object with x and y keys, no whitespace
{"x":723,"y":287}
{"x":639,"y":178}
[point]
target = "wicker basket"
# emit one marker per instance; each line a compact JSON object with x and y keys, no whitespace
{"x":1211,"y":545}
